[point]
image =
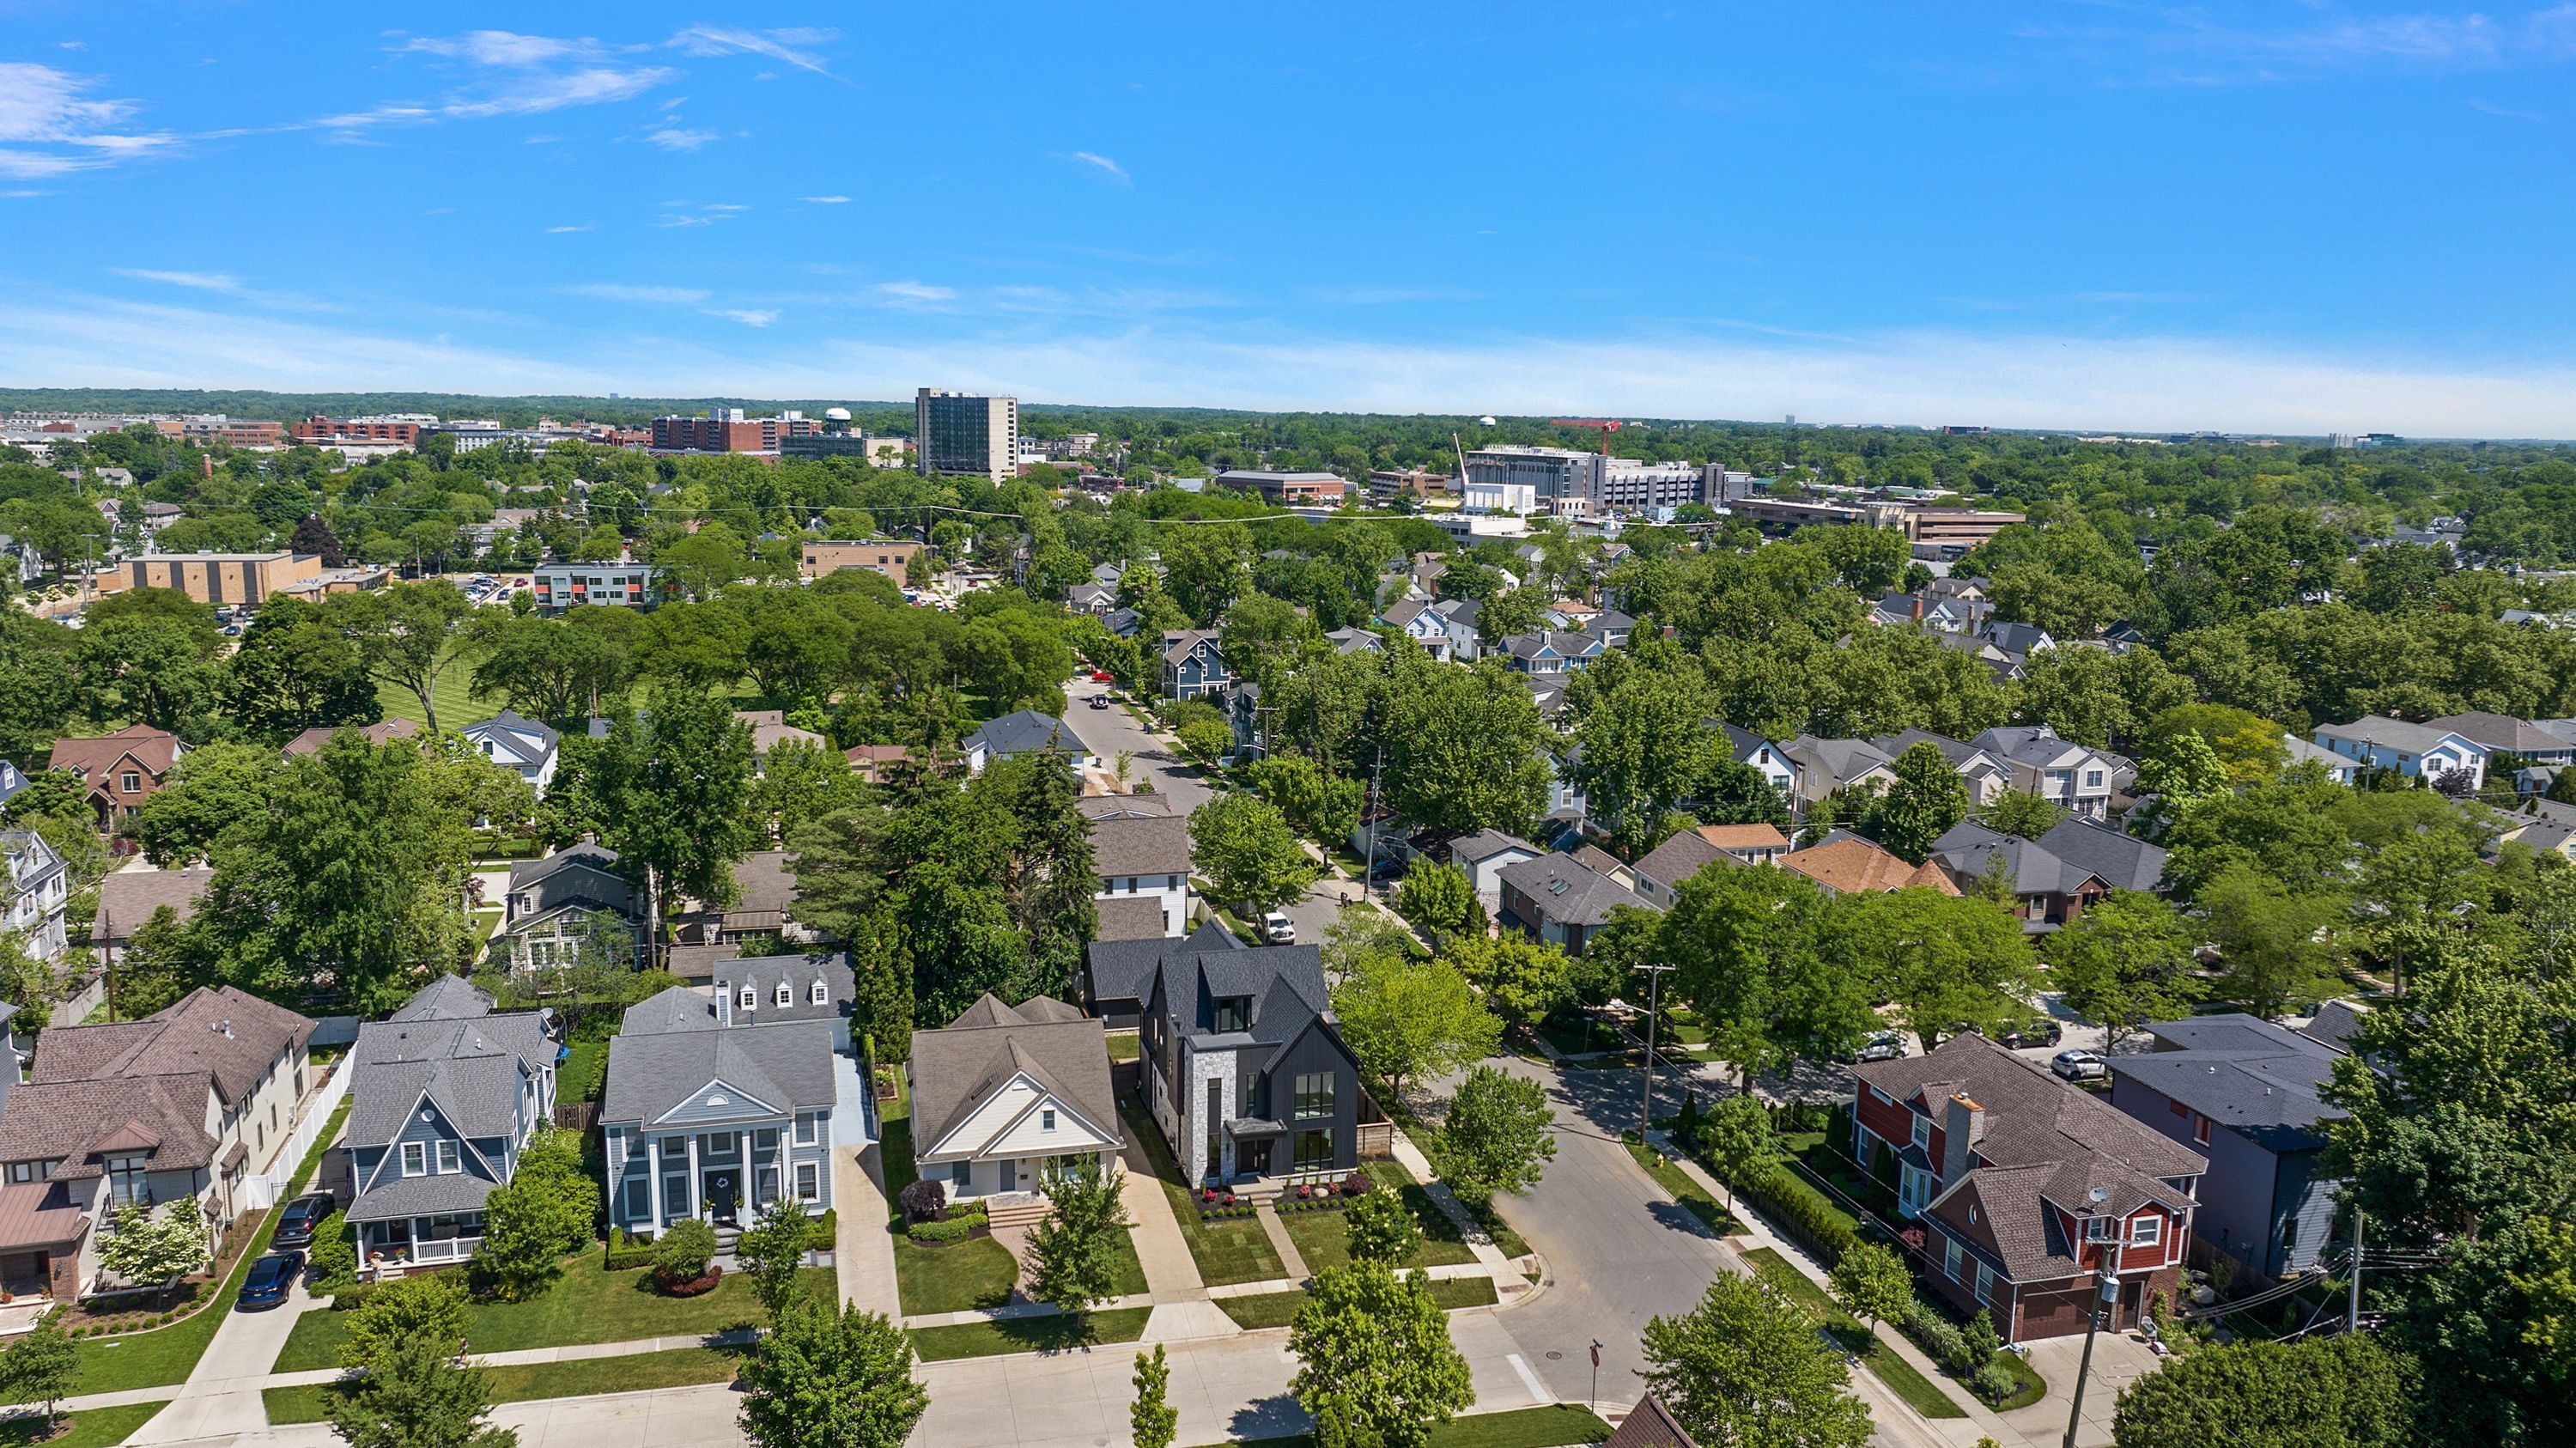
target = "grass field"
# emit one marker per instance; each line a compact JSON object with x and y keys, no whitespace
{"x":1027,"y":1334}
{"x":585,"y":1305}
{"x":1900,"y":1376}
{"x":634,"y":1373}
{"x":1555,"y":1426}
{"x":1685,"y":1191}
{"x":457,"y":705}
{"x":1324,"y":1239}
{"x":89,"y":1428}
{"x":1278,"y":1309}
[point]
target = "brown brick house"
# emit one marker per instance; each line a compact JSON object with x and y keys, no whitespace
{"x":1997,"y":1166}
{"x":122,"y":769}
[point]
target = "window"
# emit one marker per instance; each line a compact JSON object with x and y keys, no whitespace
{"x":2177,"y":1108}
{"x":1923,"y":1131}
{"x":804,"y":1128}
{"x":2092,"y":779}
{"x":809,"y":1181}
{"x":1950,"y":1255}
{"x":764,"y":1185}
{"x":750,"y":999}
{"x":415,"y":1159}
{"x":2200,"y":1131}
{"x":2289,"y":1233}
{"x":450,"y":1159}
{"x":1314,"y":1149}
{"x":1233,"y":1013}
{"x":2147,"y":1231}
{"x":1315,"y":1094}
{"x":1985,"y":1282}
{"x":130,"y":782}
{"x":2098,"y":1229}
{"x":126,"y":1181}
{"x":786,"y":994}
{"x":822,"y":994}
{"x":961,"y":1174}
{"x":1046,"y":1119}
{"x":765,"y":1140}
{"x":638,"y":1192}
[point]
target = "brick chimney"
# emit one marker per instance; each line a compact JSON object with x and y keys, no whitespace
{"x":1962,"y":1127}
{"x":1918,"y":608}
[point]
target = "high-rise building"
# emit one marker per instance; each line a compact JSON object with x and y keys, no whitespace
{"x":957,"y":432}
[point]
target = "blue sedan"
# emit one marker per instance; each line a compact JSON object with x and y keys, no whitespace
{"x":269,"y":1279}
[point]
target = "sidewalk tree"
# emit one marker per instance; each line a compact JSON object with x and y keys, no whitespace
{"x":1495,"y":1138}
{"x":154,"y":1247}
{"x":1321,"y":805}
{"x":1243,"y":845}
{"x":1465,"y":749}
{"x":1525,"y":981}
{"x":1943,"y":959}
{"x":1872,"y":1284}
{"x":772,"y":1250}
{"x":1746,"y":1366}
{"x":408,"y":1309}
{"x":1736,"y":1135}
{"x":1382,"y":1228}
{"x":1406,"y":1018}
{"x":40,"y":1368}
{"x":1373,"y":1350}
{"x":1205,"y":740}
{"x":414,"y":1394}
{"x":1152,"y":1421}
{"x":2127,"y":960}
{"x":1441,"y":902}
{"x":1073,"y":1254}
{"x":831,"y":1377}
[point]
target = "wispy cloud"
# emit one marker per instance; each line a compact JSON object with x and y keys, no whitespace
{"x":200,"y":281}
{"x":565,"y":230}
{"x":2507,"y":112}
{"x":2194,"y":46}
{"x":623,"y":292}
{"x":825,"y":200}
{"x":1116,"y":172}
{"x":673,"y":139}
{"x":749,"y":317}
{"x":915,"y":293}
{"x":794,"y":46}
{"x":51,"y":125}
{"x":513,"y":75}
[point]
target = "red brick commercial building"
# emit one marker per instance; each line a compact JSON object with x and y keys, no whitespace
{"x":233,"y":432}
{"x":318,"y":428}
{"x":727,"y":430}
{"x":1287,"y":488}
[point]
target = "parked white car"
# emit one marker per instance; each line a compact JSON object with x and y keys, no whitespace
{"x":2077,"y":1065}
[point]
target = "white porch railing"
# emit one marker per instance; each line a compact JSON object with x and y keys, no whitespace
{"x":264,"y":1190}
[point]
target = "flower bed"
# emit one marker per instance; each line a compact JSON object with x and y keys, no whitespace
{"x":691,"y":1288}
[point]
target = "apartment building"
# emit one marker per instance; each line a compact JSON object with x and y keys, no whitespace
{"x":959,"y":432}
{"x":727,"y":429}
{"x":618,"y":584}
{"x":233,"y":432}
{"x":891,"y":557}
{"x":398,"y":427}
{"x":1561,"y":480}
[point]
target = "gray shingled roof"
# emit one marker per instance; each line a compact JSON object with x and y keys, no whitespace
{"x":1569,"y":892}
{"x":470,"y":1066}
{"x":1837,"y":761}
{"x":1678,"y":858}
{"x":1130,"y":918}
{"x":788,"y":1066}
{"x":2121,"y":860}
{"x":448,"y":998}
{"x":1025,"y":731}
{"x":2246,"y":1074}
{"x":228,"y":1036}
{"x":957,"y":1069}
{"x":1124,"y":970}
{"x":399,"y":1197}
{"x":1154,"y":846}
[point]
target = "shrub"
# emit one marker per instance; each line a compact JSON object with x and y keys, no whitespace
{"x":624,"y":1253}
{"x":955,"y":1229}
{"x":924,"y":1201}
{"x":1355,"y":1184}
{"x":1933,"y":1333}
{"x":1778,"y":1196}
{"x":1981,"y":1340}
{"x":683,"y":1254}
{"x":334,"y":1254}
{"x":1994,"y":1382}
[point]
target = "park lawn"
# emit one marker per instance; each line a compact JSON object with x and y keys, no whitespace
{"x":1900,"y":1376}
{"x":585,"y":1305}
{"x":1684,"y":1190}
{"x":1278,"y":1309}
{"x":89,"y":1428}
{"x":1053,"y":1333}
{"x":1324,"y":1239}
{"x":1228,"y":1250}
{"x":168,"y":1354}
{"x":1555,"y":1426}
{"x":633,"y":1373}
{"x":453,"y":693}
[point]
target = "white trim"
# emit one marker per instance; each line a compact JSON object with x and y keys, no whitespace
{"x":715,"y":1083}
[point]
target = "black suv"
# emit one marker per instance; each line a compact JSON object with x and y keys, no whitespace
{"x":296,"y":1223}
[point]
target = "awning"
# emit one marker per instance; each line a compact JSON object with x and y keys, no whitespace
{"x":1254,"y":1126}
{"x":37,"y":1215}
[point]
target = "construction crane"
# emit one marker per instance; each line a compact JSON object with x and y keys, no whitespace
{"x":1606,"y":424}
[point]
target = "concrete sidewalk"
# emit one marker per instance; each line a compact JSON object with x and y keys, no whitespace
{"x":1508,"y":1282}
{"x":1182,"y":1311}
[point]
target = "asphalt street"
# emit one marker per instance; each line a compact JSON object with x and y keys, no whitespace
{"x":1112,"y":731}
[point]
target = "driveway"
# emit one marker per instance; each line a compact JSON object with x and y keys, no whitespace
{"x":1112,"y":731}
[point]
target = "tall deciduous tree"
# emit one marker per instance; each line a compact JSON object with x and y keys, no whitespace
{"x":1736,"y":1134}
{"x":1374,"y":1355}
{"x":1406,"y":1018}
{"x":1495,"y":1138}
{"x":671,"y":788}
{"x":1525,"y":981}
{"x":1746,"y":1366}
{"x":831,"y":1377}
{"x":1944,"y":959}
{"x":2267,"y":939}
{"x":1440,"y":901}
{"x":2345,"y":1391}
{"x":1205,"y":568}
{"x":211,"y":788}
{"x":416,"y":1395}
{"x":405,"y":633}
{"x":1465,"y":750}
{"x":1919,"y":805}
{"x":1319,"y":804}
{"x":1759,"y":960}
{"x":1243,"y":845}
{"x":2127,"y":960}
{"x":1073,"y":1254}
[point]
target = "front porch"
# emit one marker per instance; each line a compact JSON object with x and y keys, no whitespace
{"x":434,"y":1241}
{"x":720,"y":1177}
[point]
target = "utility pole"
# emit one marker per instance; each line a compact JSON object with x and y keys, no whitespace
{"x":1377,"y":780}
{"x":2110,"y":1278}
{"x":1654,"y":1008}
{"x":2352,"y":1308}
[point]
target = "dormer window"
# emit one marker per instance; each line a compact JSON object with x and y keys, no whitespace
{"x":1233,"y":1013}
{"x":786,"y":994}
{"x":750,"y":999}
{"x":822,"y":994}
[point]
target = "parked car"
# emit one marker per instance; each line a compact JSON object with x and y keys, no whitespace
{"x":2037,"y":1031}
{"x":2078,"y":1065}
{"x":297,"y":1221}
{"x":1885,"y":1046}
{"x":1100,"y":676}
{"x":269,"y":1279}
{"x":1100,"y":701}
{"x":1278,"y":929}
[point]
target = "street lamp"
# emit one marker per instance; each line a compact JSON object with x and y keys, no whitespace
{"x":2109,"y":1276}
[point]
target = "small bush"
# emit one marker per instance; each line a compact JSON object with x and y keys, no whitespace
{"x":1994,"y":1382}
{"x":956,"y":1229}
{"x":1934,"y":1334}
{"x":624,"y":1253}
{"x":925,"y":1200}
{"x":684,"y":1252}
{"x":1355,"y":1184}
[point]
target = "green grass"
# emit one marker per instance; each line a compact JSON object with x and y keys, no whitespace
{"x":1278,"y":1309}
{"x":974,"y":1273}
{"x":1027,"y":1334}
{"x":2031,"y":1386}
{"x":1900,"y":1376}
{"x":1324,"y":1238}
{"x":453,"y":693}
{"x":1124,"y":1046}
{"x":1233,"y":1249}
{"x":585,"y":1305}
{"x":90,"y":1427}
{"x":1554,"y":1426}
{"x":1689,"y":1193}
{"x":583,"y":1073}
{"x":636,"y":1372}
{"x":168,"y":1354}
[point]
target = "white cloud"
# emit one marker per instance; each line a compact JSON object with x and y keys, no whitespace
{"x":201,"y":281}
{"x":564,"y":230}
{"x":49,"y":125}
{"x":1116,"y":171}
{"x":507,"y":48}
{"x":2507,"y":112}
{"x":755,"y":317}
{"x":825,"y":200}
{"x":795,"y":46}
{"x":672,"y":139}
{"x":514,"y":75}
{"x":916,"y":292}
{"x":669,"y":222}
{"x":622,"y":292}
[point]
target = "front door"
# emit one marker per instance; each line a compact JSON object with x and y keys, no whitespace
{"x":2133,"y":1298}
{"x":724,"y":1194}
{"x":1252,"y":1157}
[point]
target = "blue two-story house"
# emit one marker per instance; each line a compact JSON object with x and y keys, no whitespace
{"x":444,"y":1097}
{"x":1193,"y":665}
{"x":1550,"y":652}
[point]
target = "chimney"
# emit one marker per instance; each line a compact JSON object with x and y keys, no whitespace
{"x":1962,"y":1128}
{"x":724,"y":1001}
{"x":1918,"y":608}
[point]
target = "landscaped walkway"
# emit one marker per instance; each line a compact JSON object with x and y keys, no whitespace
{"x":221,"y":1395}
{"x":1281,"y":1242}
{"x":1508,"y":1281}
{"x":1182,"y":1311}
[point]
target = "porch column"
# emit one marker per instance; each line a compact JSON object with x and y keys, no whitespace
{"x":653,"y":1161}
{"x":697,"y":1184}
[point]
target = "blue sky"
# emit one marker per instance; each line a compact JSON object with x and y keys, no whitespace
{"x":2299,"y":217}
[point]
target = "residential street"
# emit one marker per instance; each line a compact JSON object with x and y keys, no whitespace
{"x":1111,"y":731}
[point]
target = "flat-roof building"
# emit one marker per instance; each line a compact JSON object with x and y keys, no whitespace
{"x":959,"y":432}
{"x":891,"y":557}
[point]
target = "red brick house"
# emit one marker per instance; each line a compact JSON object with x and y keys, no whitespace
{"x":122,"y":769}
{"x":1998,"y":1163}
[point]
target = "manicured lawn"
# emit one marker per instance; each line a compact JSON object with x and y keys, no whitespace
{"x":90,"y":1427}
{"x":1278,"y":1309}
{"x":633,"y":1373}
{"x":585,"y":1305}
{"x":1324,"y":1239}
{"x":1685,"y":1191}
{"x":2032,"y":1387}
{"x":954,"y":1278}
{"x":453,"y":693}
{"x":1233,"y":1249}
{"x":583,"y":1073}
{"x":1124,"y":1046}
{"x":1900,"y":1376}
{"x":1027,"y":1334}
{"x":1555,"y":1426}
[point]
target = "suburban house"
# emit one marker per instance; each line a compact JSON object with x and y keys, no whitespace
{"x":1415,"y":619}
{"x":1984,"y":775}
{"x":1560,"y":900}
{"x":2504,"y":734}
{"x":1118,"y":975}
{"x":2077,"y":779}
{"x":1458,"y":620}
{"x":1243,"y":1069}
{"x":769,"y":729}
{"x":2018,"y":1184}
{"x":764,"y":899}
{"x":1193,"y":665}
{"x":2048,"y":891}
{"x":1355,"y":641}
{"x":1025,"y":731}
{"x":39,"y":888}
{"x":177,"y":1111}
{"x":1005,"y":1093}
{"x":719,"y":1103}
{"x":2338,"y":767}
{"x":127,"y":899}
{"x":558,"y":903}
{"x":1091,"y":598}
{"x":2417,"y":751}
{"x":1549,"y":652}
{"x":1826,"y":765}
{"x":2246,"y":1094}
{"x":379,"y":733}
{"x":122,"y":769}
{"x":443,"y":1097}
{"x":1122,"y":622}
{"x":1481,"y":856}
{"x":1951,"y":615}
{"x":1763,"y":757}
{"x":1690,"y":851}
{"x":1144,"y":865}
{"x":1847,"y":864}
{"x":523,"y":746}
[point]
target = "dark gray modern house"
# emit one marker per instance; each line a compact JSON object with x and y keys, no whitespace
{"x":2244,"y":1093}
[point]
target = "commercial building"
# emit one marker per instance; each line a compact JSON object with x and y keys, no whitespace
{"x":958,"y":432}
{"x":398,"y":427}
{"x":233,"y":432}
{"x":221,"y":578}
{"x":1286,"y":488}
{"x":1582,"y":484}
{"x":727,"y":429}
{"x":1416,"y":482}
{"x":891,"y":557}
{"x":619,"y":584}
{"x":1953,"y":530}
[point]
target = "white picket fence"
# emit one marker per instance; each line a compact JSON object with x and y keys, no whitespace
{"x":259,"y":1192}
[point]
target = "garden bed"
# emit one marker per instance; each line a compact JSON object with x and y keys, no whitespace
{"x":1901,"y":1377}
{"x":1324,"y":1239}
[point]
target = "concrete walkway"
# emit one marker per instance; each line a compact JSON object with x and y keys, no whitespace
{"x":222,"y":1395}
{"x":1508,"y":1281}
{"x":1280,"y":1242}
{"x":862,"y":1248}
{"x":1182,"y":1311}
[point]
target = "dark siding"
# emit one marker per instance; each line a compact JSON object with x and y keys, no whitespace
{"x":1318,"y":1050}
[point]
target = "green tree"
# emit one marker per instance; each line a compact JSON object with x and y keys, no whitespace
{"x":1872,"y":1284}
{"x":671,"y":788}
{"x":831,"y":1377}
{"x":1204,"y":740}
{"x":552,"y":668}
{"x":41,"y":1368}
{"x":2249,"y":747}
{"x":1205,"y":568}
{"x":1074,"y":1253}
{"x":773,"y":1250}
{"x":150,"y":669}
{"x":532,"y":1220}
{"x":1746,"y":1366}
{"x":2127,"y":960}
{"x":1495,"y":1138}
{"x":1644,"y":738}
{"x":1243,"y":845}
{"x":1382,"y":1228}
{"x":798,"y":784}
{"x":1406,"y":1018}
{"x":1919,"y":805}
{"x":1373,"y":1354}
{"x":2345,"y":1391}
{"x":1319,"y":804}
{"x":297,"y":670}
{"x":1758,"y":952}
{"x":2182,"y":773}
{"x":405,"y":633}
{"x":1152,"y":1421}
{"x":1464,"y":750}
{"x":2267,"y":940}
{"x":1524,"y":981}
{"x":2016,"y":812}
{"x":1943,"y":959}
{"x":415,"y":1394}
{"x":1440,"y":901}
{"x":1736,"y":1136}
{"x":427,"y":1309}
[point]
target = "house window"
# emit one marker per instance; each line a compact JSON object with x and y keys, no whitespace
{"x":786,"y":994}
{"x":2177,"y":1108}
{"x":809,"y":1181}
{"x":126,"y":1181}
{"x":1233,"y":1013}
{"x":130,"y":782}
{"x":2098,"y":1229}
{"x":1046,"y":1120}
{"x":1923,"y":1131}
{"x":2200,"y":1131}
{"x":415,"y":1159}
{"x":961,"y":1174}
{"x":764,"y":1185}
{"x":1950,"y":1255}
{"x":639,"y":1197}
{"x":1985,"y":1283}
{"x":822,"y":994}
{"x":804,"y":1128}
{"x":450,"y":1160}
{"x":1315,"y":1094}
{"x":2289,"y":1233}
{"x":1914,"y":1191}
{"x":764,"y":1141}
{"x":2147,"y":1231}
{"x":750,"y":999}
{"x":2092,"y":779}
{"x":1314,"y":1148}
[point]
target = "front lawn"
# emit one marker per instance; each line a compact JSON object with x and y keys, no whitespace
{"x":585,"y":1305}
{"x":1231,"y":1249}
{"x":1900,"y":1376}
{"x":632,"y":1373}
{"x":1689,"y":1193}
{"x":1555,"y":1426}
{"x":1278,"y":1309}
{"x":1324,"y":1239}
{"x":1053,"y":1333}
{"x":974,"y":1273}
{"x":89,"y":1428}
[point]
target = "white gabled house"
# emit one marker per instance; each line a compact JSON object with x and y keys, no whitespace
{"x":1006,"y":1092}
{"x":2417,"y":751}
{"x":524,"y":746}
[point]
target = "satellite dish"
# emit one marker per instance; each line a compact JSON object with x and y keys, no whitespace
{"x":2097,"y":1194}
